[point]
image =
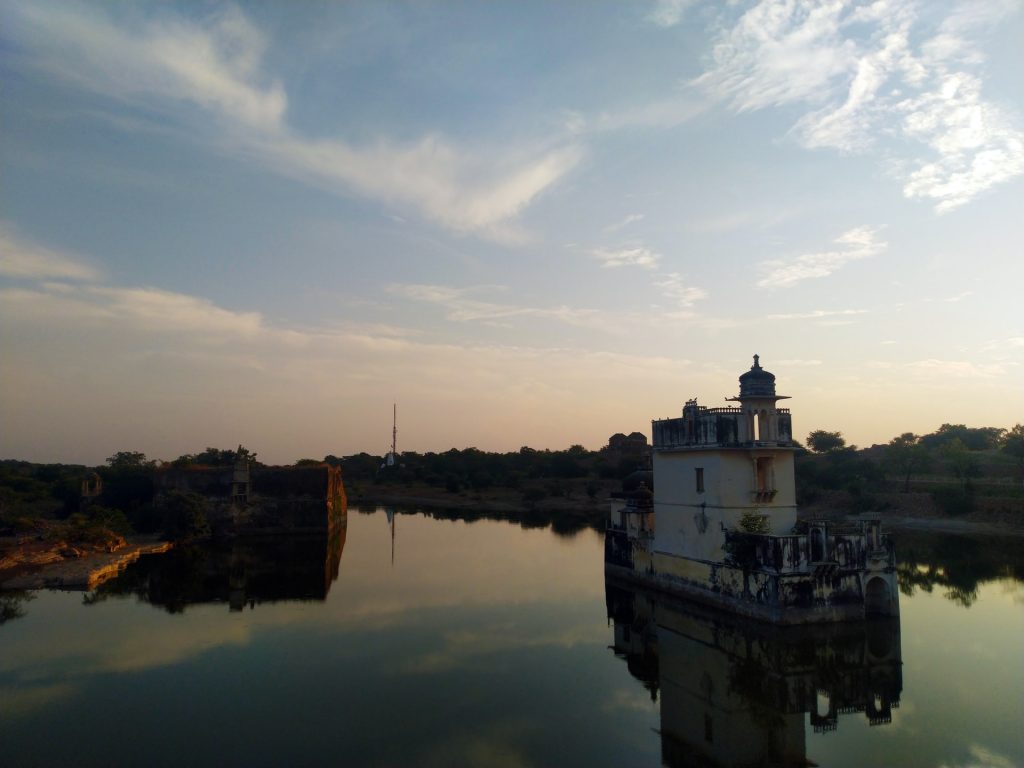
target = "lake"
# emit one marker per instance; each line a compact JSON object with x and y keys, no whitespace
{"x":485,"y":643}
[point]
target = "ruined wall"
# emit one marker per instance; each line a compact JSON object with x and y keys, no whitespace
{"x":275,"y":499}
{"x":795,"y":578}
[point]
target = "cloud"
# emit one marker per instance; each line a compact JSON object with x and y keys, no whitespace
{"x":22,"y":259}
{"x":18,"y":701}
{"x":673,"y":286}
{"x":958,"y":297}
{"x":983,"y":757}
{"x":975,"y":143}
{"x":216,"y":65}
{"x":631,"y":218}
{"x":140,"y":309}
{"x":817,"y":314}
{"x":627,"y":257}
{"x":857,"y":243}
{"x":866,"y":73}
{"x":462,"y":308}
{"x":778,"y":53}
{"x":668,"y":13}
{"x":961,"y":369}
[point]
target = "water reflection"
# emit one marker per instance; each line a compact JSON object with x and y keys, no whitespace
{"x":956,"y":563}
{"x":565,"y":523}
{"x":243,"y":572}
{"x":12,"y":604}
{"x":734,"y":692}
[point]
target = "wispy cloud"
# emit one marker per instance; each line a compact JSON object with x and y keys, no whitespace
{"x":958,"y":297}
{"x":638,"y":256}
{"x":146,"y":309}
{"x":817,"y":314}
{"x":798,"y":363}
{"x":668,"y":13}
{"x":855,"y":244}
{"x":631,"y":218}
{"x":866,"y":73}
{"x":217,"y":66}
{"x":675,"y":287}
{"x":962,"y":369}
{"x":778,"y":53}
{"x":22,"y":259}
{"x":975,"y":143}
{"x":461,"y":307}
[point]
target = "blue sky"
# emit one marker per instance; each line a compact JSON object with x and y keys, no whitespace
{"x":528,"y":223}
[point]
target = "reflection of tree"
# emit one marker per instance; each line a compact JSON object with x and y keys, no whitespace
{"x":956,"y":563}
{"x":564,"y":522}
{"x":12,"y":604}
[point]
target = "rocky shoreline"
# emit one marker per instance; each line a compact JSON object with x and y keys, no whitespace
{"x":55,"y":565}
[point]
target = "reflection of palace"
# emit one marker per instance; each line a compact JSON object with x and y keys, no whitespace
{"x":734,"y":692}
{"x":243,"y":572}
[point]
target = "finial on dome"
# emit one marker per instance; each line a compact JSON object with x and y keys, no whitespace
{"x":756,"y":363}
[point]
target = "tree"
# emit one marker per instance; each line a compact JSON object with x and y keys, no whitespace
{"x":821,"y":441}
{"x":906,"y":454}
{"x":1013,"y":445}
{"x":185,"y":516}
{"x":125,"y":459}
{"x":217,"y":457}
{"x":961,"y":461}
{"x":973,"y":438}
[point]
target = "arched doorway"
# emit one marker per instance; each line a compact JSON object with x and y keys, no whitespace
{"x":876,"y":597}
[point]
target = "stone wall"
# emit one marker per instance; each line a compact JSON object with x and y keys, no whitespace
{"x":261,"y":499}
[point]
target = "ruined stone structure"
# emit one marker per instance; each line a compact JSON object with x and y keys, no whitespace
{"x":246,"y":499}
{"x":721,"y":525}
{"x":736,"y":692}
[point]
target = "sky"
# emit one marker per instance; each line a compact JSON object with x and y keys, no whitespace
{"x":524,"y":223}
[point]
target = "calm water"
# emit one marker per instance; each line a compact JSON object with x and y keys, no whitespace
{"x":486,"y":644}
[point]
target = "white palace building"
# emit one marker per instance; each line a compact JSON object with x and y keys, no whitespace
{"x":720,"y":524}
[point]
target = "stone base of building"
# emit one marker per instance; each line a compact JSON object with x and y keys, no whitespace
{"x":783,"y":600}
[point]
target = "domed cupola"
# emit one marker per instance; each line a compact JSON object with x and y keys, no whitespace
{"x":757,"y":382}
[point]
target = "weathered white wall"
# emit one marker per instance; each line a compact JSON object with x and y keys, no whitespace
{"x":681,"y":511}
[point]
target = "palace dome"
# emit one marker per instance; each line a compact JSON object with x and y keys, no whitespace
{"x":757,"y":382}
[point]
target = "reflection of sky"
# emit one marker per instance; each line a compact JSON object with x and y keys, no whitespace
{"x":483,"y":644}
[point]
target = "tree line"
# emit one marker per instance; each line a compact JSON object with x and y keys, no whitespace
{"x":963,"y":456}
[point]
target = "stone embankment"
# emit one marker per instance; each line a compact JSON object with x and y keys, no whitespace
{"x":58,"y":566}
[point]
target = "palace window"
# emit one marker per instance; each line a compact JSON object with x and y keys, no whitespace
{"x":700,"y":479}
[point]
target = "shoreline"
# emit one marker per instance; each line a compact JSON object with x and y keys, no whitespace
{"x":34,"y":567}
{"x":596,"y":511}
{"x":29,"y":565}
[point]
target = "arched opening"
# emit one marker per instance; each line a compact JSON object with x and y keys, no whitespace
{"x":817,"y":545}
{"x":823,"y":704}
{"x":876,"y":597}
